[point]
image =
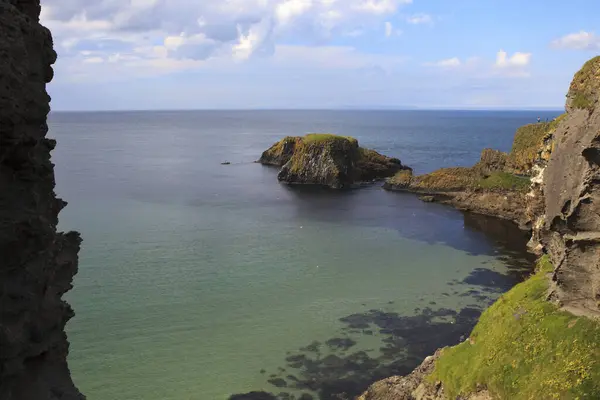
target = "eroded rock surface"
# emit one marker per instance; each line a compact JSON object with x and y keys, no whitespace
{"x":570,"y":228}
{"x":37,"y":263}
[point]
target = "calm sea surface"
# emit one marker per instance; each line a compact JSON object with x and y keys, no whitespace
{"x":200,"y":281}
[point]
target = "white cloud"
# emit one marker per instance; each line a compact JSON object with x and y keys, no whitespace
{"x":379,"y":6}
{"x":516,"y":60}
{"x":475,"y":67}
{"x":93,"y":60}
{"x":418,"y":19}
{"x":578,"y":41}
{"x":390,"y":30}
{"x":290,"y":9}
{"x":199,"y":30}
{"x":447,"y":63}
{"x":248,"y":44}
{"x":512,"y":66}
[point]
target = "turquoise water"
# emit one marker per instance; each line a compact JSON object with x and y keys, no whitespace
{"x":198,"y":280}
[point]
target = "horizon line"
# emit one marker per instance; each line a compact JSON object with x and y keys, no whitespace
{"x":366,"y":108}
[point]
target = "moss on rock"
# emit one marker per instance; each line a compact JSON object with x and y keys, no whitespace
{"x":281,"y":152}
{"x":528,"y":145}
{"x":445,"y":180}
{"x":584,"y":92}
{"x":328,"y":137}
{"x":525,"y":348}
{"x":505,"y":181}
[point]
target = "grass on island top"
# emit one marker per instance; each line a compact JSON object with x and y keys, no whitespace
{"x":323,"y":137}
{"x":526,"y":348}
{"x":504,"y":180}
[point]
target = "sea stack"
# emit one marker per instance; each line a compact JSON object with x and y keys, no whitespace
{"x":328,"y":160}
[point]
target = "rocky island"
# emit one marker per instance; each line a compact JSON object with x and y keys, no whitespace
{"x":328,"y":160}
{"x":539,"y":340}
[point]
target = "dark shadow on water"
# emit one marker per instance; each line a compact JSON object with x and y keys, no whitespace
{"x":411,"y":218}
{"x":333,"y":371}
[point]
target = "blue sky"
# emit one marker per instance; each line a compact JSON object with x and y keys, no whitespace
{"x":184,"y":54}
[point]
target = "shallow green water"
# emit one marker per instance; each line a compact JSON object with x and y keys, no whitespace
{"x":195,"y":277}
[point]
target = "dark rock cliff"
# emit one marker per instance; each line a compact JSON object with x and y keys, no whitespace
{"x":328,"y":160}
{"x":570,"y":228}
{"x":37,"y":264}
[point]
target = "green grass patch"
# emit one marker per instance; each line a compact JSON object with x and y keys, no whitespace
{"x":582,"y":101}
{"x":528,"y":142}
{"x":525,"y":348}
{"x":326,"y":137}
{"x":446,"y":179}
{"x":585,"y":87}
{"x":504,"y":180}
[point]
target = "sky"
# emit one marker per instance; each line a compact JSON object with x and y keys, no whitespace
{"x":315,"y":54}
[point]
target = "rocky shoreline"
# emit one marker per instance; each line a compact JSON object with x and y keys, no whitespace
{"x":499,"y":185}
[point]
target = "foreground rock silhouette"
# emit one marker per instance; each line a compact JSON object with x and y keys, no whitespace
{"x":37,"y":264}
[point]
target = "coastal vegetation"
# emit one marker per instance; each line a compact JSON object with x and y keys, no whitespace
{"x":528,"y":145}
{"x":585,"y":88}
{"x":327,"y":137}
{"x":505,"y":181}
{"x":524,"y":347}
{"x":460,"y":179}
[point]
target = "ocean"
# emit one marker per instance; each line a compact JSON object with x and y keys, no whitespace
{"x":200,"y":281}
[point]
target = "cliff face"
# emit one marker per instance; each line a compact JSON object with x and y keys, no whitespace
{"x":37,"y":263}
{"x":328,"y":160}
{"x":281,"y":152}
{"x":570,"y":228}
